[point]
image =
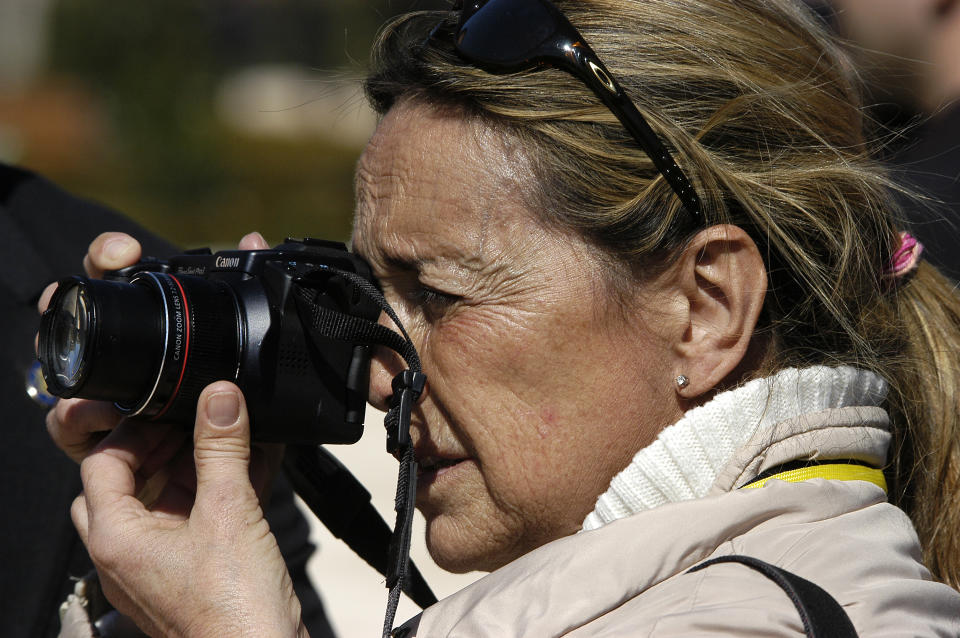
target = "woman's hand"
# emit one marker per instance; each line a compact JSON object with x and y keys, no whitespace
{"x":173,"y":522}
{"x":213,"y":569}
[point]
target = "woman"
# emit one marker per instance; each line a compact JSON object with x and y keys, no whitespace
{"x":612,"y":344}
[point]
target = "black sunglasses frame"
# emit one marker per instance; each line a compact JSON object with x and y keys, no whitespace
{"x":514,"y":35}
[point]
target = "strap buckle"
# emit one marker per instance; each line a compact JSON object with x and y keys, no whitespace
{"x":407,"y":388}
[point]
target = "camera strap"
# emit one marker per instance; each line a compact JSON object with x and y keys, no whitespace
{"x":338,"y":504}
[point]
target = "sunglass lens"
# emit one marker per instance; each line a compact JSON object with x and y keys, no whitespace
{"x":507,"y":33}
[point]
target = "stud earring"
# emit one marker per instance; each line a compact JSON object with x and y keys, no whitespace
{"x":682,"y":381}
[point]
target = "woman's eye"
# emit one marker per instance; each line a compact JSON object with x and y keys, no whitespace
{"x":432,"y":300}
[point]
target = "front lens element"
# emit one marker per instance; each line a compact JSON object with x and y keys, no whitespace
{"x":100,"y":339}
{"x":70,"y":336}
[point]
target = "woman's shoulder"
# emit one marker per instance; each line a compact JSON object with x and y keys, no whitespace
{"x":631,"y":577}
{"x":839,"y":535}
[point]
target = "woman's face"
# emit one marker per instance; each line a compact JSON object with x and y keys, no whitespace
{"x":540,"y":388}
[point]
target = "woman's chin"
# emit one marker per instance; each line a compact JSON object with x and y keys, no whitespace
{"x":455,"y":566}
{"x":459,"y":552}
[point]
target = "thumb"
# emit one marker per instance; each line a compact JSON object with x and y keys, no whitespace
{"x":221,"y":445}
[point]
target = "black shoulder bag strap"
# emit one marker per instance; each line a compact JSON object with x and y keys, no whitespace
{"x":820,"y":612}
{"x":330,"y":490}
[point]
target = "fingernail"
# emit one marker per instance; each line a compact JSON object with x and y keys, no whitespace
{"x":223,"y":408}
{"x":115,"y":249}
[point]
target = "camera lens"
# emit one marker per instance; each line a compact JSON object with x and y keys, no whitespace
{"x":100,"y":339}
{"x":149,"y":345}
{"x":70,"y":325}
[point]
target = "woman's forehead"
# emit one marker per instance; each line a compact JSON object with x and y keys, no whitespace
{"x":431,"y":177}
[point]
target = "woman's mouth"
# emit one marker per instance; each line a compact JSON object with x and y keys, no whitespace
{"x":429,"y":468}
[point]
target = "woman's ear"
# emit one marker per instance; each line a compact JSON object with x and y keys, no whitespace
{"x":722,"y":277}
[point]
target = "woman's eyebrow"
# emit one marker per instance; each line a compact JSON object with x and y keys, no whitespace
{"x":402,"y":262}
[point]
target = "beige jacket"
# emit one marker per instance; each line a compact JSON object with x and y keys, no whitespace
{"x":628,"y":577}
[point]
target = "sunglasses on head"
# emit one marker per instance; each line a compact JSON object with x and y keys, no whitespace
{"x":513,"y":35}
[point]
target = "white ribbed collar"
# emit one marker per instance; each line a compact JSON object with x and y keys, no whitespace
{"x":685,"y":459}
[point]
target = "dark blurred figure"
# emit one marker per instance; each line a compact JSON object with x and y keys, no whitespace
{"x":44,"y":234}
{"x":909,"y":53}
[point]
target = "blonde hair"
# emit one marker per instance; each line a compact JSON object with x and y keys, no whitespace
{"x":762,"y":110}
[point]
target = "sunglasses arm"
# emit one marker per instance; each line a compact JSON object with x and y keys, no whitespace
{"x":583,"y":62}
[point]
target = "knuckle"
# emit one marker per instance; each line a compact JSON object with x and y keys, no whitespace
{"x":64,"y":431}
{"x":92,"y":466}
{"x":103,"y":549}
{"x":78,"y":512}
{"x":89,"y":267}
{"x":65,"y":422}
{"x":222,"y":448}
{"x":66,"y":411}
{"x":45,"y":297}
{"x":53,"y":423}
{"x":88,"y":469}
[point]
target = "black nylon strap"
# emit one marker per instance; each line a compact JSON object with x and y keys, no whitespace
{"x":821,"y":614}
{"x":399,"y":566}
{"x":407,"y":351}
{"x":407,"y":387}
{"x":338,"y":499}
{"x":343,"y":327}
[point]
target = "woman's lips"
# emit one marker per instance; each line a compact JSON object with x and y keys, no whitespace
{"x":431,"y":468}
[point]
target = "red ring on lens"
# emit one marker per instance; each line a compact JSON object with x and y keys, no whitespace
{"x":186,"y":348}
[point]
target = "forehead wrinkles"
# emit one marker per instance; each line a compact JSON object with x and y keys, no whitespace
{"x":425,"y":171}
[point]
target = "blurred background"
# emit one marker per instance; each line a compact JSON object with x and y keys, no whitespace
{"x":201,"y":119}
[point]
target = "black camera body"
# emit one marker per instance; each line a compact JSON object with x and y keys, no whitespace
{"x":151,"y":336}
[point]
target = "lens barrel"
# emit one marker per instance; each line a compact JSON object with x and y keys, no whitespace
{"x":101,"y":340}
{"x":150,"y":344}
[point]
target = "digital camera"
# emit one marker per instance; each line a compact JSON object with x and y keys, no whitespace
{"x":150,"y":337}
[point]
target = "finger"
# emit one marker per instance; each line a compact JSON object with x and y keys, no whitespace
{"x":45,"y":297}
{"x":175,"y":443}
{"x":174,"y":503}
{"x":158,"y":461}
{"x":141,"y":445}
{"x":177,"y":498}
{"x":76,"y":425}
{"x":183,"y":471}
{"x":81,"y":519}
{"x":111,"y":251}
{"x":221,"y":448}
{"x":149,"y":490}
{"x":253,"y":241}
{"x":178,"y":494}
{"x":110,"y":486}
